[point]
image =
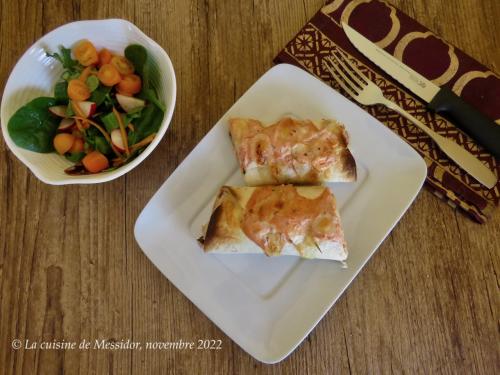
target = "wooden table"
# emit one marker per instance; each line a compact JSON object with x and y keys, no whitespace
{"x":70,"y":269}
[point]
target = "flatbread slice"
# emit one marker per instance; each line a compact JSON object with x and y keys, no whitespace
{"x":276,"y":220}
{"x":292,"y":151}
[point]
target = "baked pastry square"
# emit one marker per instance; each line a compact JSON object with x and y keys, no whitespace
{"x":292,"y":151}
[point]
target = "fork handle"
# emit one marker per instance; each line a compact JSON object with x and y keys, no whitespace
{"x":431,"y":133}
{"x":459,"y":155}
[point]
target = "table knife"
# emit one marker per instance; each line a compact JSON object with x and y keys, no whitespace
{"x":439,"y":99}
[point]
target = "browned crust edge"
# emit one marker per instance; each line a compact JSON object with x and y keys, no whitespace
{"x":215,"y":226}
{"x":350,"y":168}
{"x":211,"y":233}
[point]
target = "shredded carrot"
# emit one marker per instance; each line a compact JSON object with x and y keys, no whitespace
{"x":117,"y":162}
{"x":104,"y":133}
{"x":122,"y":130}
{"x":84,"y":125}
{"x":130,"y":127}
{"x":99,"y":127}
{"x":79,"y":124}
{"x":77,"y":109}
{"x":85,"y":74}
{"x":143,"y":143}
{"x":79,"y":112}
{"x":115,"y":150}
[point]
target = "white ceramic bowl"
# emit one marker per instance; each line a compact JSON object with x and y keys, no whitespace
{"x":35,"y":75}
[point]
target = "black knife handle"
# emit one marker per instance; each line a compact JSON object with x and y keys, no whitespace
{"x":484,"y":130}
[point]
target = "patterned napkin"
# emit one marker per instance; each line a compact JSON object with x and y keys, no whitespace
{"x":429,"y":55}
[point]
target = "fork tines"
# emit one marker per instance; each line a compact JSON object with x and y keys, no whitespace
{"x":347,"y":75}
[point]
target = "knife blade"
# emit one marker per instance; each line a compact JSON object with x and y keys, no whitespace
{"x":439,"y":99}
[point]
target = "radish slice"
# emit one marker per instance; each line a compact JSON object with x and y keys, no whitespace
{"x":117,"y":140}
{"x":129,"y":103}
{"x":58,"y":110}
{"x":66,"y":124}
{"x":88,"y":108}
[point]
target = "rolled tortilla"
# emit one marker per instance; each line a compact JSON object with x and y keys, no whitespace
{"x":292,"y":151}
{"x":276,"y":220}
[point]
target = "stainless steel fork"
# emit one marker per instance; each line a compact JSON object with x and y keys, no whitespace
{"x":364,"y":91}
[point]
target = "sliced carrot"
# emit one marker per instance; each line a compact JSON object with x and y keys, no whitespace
{"x":95,"y":162}
{"x":77,"y":145}
{"x":122,"y":64}
{"x":78,"y":90}
{"x":130,"y":85}
{"x":122,"y":131}
{"x":104,"y":57}
{"x":85,"y":53}
{"x":63,"y":142}
{"x":108,"y":75}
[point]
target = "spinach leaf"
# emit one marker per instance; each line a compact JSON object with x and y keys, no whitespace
{"x":96,"y":141}
{"x":99,"y":95}
{"x":75,"y":157}
{"x":61,"y":91}
{"x":135,"y":114}
{"x":33,"y":127}
{"x":90,"y":134}
{"x":110,"y":122}
{"x":64,"y":57}
{"x":92,"y":83}
{"x":110,"y":102}
{"x":72,"y":67}
{"x":102,"y":145}
{"x":68,"y":75}
{"x":150,"y":94}
{"x":147,"y":124}
{"x":138,"y":55}
{"x":132,"y":138}
{"x":69,"y":111}
{"x":144,"y":65}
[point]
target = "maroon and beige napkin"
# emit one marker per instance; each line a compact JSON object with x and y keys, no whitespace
{"x":429,"y":55}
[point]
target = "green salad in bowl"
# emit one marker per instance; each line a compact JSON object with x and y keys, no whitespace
{"x":105,"y":110}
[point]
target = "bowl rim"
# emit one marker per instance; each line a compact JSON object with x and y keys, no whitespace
{"x":103,"y":176}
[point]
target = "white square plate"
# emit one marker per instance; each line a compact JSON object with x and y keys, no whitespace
{"x":269,"y":305}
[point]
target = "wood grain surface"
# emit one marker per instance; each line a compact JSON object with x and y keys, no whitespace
{"x":70,"y":269}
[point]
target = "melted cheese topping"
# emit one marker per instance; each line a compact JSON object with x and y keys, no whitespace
{"x":292,"y":149}
{"x":276,"y":215}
